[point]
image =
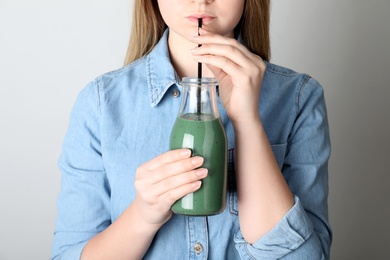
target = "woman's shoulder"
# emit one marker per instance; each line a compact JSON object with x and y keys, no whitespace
{"x":283,"y":72}
{"x":277,"y":75}
{"x":123,"y":78}
{"x":286,"y":86}
{"x":131,"y":69}
{"x":116,"y":83}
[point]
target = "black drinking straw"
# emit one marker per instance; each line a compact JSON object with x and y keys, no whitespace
{"x":198,"y":94}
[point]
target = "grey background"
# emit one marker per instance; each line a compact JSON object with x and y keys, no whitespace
{"x":49,"y":50}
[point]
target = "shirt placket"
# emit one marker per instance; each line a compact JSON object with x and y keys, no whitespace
{"x":198,"y":238}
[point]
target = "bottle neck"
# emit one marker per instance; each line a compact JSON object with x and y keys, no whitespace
{"x":199,"y":99}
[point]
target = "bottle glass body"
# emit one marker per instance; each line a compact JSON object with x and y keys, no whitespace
{"x":199,"y":128}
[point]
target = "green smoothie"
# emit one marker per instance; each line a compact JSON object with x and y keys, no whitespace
{"x":205,"y":136}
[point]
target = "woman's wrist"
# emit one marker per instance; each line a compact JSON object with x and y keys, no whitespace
{"x":247,"y":124}
{"x":141,"y":222}
{"x":129,"y":229}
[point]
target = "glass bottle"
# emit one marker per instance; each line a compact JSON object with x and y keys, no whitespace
{"x":199,"y":128}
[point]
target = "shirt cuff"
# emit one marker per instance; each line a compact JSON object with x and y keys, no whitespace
{"x":290,"y":233}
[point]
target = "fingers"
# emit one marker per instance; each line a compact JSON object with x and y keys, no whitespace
{"x":166,"y":183}
{"x":170,"y":197}
{"x":229,"y":57}
{"x":171,"y":169}
{"x":175,"y":187}
{"x":165,"y":179}
{"x":228,"y":65}
{"x":225,"y":53}
{"x":168,"y":157}
{"x":221,"y":55}
{"x":208,"y":37}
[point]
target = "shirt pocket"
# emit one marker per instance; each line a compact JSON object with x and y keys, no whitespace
{"x":279,"y":151}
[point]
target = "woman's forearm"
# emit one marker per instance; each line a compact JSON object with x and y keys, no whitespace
{"x":263,"y":194}
{"x":129,"y":237}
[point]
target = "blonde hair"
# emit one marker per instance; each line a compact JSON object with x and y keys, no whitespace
{"x":148,"y":27}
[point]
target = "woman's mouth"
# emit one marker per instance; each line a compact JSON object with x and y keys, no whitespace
{"x":205,"y":18}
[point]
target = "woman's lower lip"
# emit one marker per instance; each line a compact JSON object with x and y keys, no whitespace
{"x":205,"y":20}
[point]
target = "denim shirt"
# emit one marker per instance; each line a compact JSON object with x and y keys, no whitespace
{"x":123,"y":119}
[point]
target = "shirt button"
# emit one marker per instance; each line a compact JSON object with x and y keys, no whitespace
{"x":175,"y":93}
{"x":198,"y":248}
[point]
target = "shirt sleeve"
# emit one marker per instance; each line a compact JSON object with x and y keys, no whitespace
{"x":83,"y":203}
{"x":304,"y":232}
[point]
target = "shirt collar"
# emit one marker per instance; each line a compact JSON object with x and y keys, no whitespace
{"x":160,"y":73}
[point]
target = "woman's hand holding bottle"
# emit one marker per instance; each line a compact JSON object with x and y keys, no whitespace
{"x":163,"y":180}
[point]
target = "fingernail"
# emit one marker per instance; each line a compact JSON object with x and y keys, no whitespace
{"x":201,"y":172}
{"x":197,"y":161}
{"x":196,"y":184}
{"x":185,"y":153}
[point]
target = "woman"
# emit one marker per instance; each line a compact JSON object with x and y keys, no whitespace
{"x":119,"y":181}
